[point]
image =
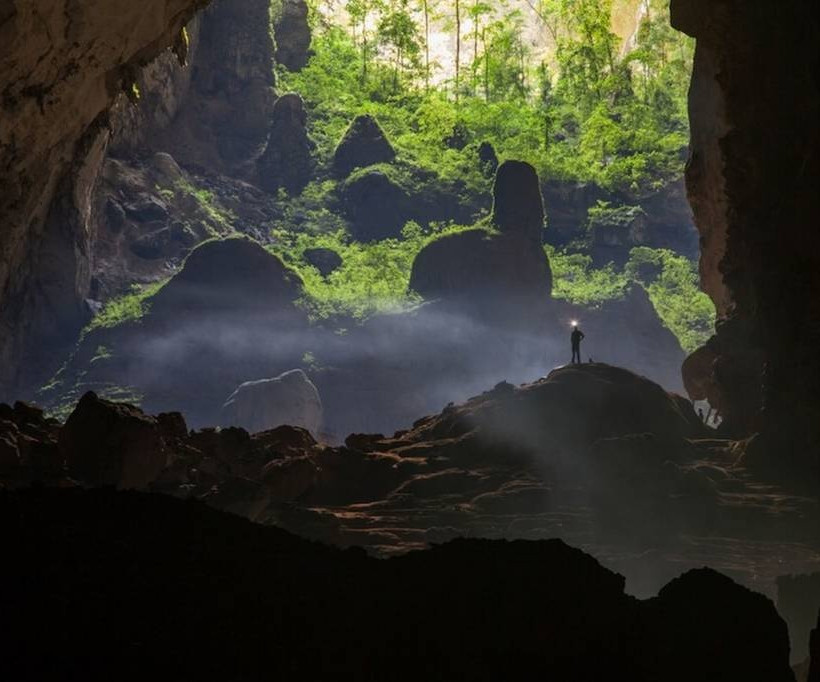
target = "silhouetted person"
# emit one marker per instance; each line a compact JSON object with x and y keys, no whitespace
{"x":700,"y":414}
{"x":576,"y":337}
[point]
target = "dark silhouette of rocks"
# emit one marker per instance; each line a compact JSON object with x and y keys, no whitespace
{"x":287,"y":161}
{"x":107,"y":443}
{"x":518,"y":207}
{"x":363,"y":144}
{"x":764,"y":288}
{"x":324,"y":260}
{"x":204,"y":595}
{"x":684,"y":629}
{"x":376,"y":205}
{"x":292,"y":32}
{"x":798,"y":602}
{"x":480,"y":269}
{"x":814,"y":647}
{"x":229,"y":276}
{"x":487,"y":158}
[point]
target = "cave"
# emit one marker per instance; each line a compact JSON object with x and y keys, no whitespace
{"x":287,"y":295}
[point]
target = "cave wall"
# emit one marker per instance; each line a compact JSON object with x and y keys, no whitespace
{"x":753,"y":178}
{"x":214,"y":115}
{"x":62,"y":66}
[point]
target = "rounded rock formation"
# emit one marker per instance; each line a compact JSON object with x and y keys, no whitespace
{"x":289,"y":399}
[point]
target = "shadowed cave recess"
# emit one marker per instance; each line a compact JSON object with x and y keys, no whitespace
{"x":286,"y":294}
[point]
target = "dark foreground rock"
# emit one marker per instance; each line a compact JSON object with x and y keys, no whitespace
{"x":134,"y":586}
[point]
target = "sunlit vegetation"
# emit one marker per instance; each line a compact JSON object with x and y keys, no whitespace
{"x":126,"y":308}
{"x":373,"y":278}
{"x":588,"y":109}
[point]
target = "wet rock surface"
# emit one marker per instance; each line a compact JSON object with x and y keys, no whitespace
{"x":594,"y":454}
{"x":478,"y":609}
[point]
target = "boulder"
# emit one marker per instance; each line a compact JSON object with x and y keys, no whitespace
{"x":324,"y":260}
{"x":741,"y":638}
{"x":483,"y":267}
{"x":106,"y":443}
{"x":698,"y":379}
{"x":291,"y":399}
{"x":478,"y":265}
{"x":518,"y":207}
{"x":292,"y":33}
{"x":232,"y":276}
{"x":287,"y":161}
{"x":376,"y":206}
{"x":487,"y":158}
{"x":363,"y":144}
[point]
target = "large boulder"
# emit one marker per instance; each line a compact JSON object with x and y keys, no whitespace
{"x":486,"y":268}
{"x":292,"y":33}
{"x":376,"y":206}
{"x":363,"y":144}
{"x":230,"y":276}
{"x":687,"y":644}
{"x":476,"y":264}
{"x":106,"y":443}
{"x":287,"y":161}
{"x":291,"y":399}
{"x":518,"y":207}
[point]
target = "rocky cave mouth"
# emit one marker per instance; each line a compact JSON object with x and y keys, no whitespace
{"x":272,"y":228}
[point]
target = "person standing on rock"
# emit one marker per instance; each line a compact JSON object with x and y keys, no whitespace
{"x":576,"y":337}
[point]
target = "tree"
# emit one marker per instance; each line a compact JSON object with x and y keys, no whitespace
{"x":399,"y":33}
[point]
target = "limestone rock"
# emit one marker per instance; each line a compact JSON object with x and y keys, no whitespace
{"x":230,"y":276}
{"x":487,"y":268}
{"x":755,"y":69}
{"x":60,"y":73}
{"x":363,"y":144}
{"x":375,"y":204}
{"x":287,"y":160}
{"x":291,"y":398}
{"x":292,"y":33}
{"x":106,"y":443}
{"x":518,"y":207}
{"x":324,"y":260}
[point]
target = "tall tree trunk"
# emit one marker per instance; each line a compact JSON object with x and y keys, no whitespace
{"x":458,"y":46}
{"x":486,"y":65}
{"x":426,"y":46}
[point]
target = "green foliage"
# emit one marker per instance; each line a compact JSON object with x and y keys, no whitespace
{"x":576,"y":281}
{"x":672,"y":283}
{"x":373,"y":277}
{"x":595,"y":114}
{"x":127,"y":308}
